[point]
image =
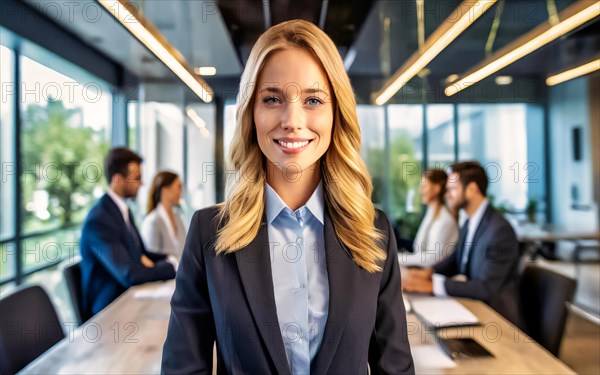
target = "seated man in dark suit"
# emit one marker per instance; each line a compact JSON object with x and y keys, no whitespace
{"x":485,"y":262}
{"x":113,"y":255}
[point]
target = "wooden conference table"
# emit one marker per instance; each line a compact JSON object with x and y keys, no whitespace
{"x":127,"y":338}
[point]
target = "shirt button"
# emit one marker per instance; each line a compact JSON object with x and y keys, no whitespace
{"x":299,"y":241}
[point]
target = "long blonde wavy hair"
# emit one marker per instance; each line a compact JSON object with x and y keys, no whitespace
{"x":347,"y":183}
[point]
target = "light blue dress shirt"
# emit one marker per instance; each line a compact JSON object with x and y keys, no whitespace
{"x":300,"y":283}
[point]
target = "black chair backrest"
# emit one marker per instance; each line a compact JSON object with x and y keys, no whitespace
{"x":29,"y":327}
{"x":544,"y":297}
{"x":72,"y":274}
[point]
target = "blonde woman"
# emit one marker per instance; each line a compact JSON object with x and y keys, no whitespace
{"x":163,"y":230}
{"x":296,"y":272}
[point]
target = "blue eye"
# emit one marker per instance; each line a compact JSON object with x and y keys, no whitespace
{"x":314,"y":102}
{"x":270,"y":100}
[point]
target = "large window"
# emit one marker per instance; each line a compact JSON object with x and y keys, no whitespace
{"x":400,"y":141}
{"x":51,"y":157}
{"x":496,"y":136}
{"x":7,"y":163}
{"x":371,"y":120}
{"x":405,"y":124}
{"x":201,"y":166}
{"x":133,"y":119}
{"x":440,"y":135}
{"x":64,"y":137}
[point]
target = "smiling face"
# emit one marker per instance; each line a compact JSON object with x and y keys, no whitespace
{"x":293,"y":111}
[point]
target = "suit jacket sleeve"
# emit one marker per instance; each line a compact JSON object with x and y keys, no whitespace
{"x":389,"y":349}
{"x":189,"y":345}
{"x":117,"y":259}
{"x":155,"y":257}
{"x":499,"y":258}
{"x":448,"y":266}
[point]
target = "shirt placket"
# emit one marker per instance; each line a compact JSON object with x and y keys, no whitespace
{"x":301,"y":298}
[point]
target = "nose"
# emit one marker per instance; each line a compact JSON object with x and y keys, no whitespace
{"x":293,"y":116}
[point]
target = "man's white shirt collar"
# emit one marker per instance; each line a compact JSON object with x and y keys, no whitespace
{"x":475,"y":219}
{"x":120,"y":202}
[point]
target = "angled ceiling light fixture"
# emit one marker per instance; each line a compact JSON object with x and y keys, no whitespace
{"x":574,"y":16}
{"x":125,"y":12}
{"x":573,"y":73}
{"x":457,"y":22}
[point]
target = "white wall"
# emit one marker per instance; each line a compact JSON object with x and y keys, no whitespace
{"x":569,"y":108}
{"x":163,"y":127}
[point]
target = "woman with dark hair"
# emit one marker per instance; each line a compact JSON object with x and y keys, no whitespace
{"x":163,"y":230}
{"x":438,"y":231}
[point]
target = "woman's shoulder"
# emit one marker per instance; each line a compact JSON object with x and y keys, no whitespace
{"x":152,"y":218}
{"x":206,"y":217}
{"x":445,"y":217}
{"x":381,"y":220}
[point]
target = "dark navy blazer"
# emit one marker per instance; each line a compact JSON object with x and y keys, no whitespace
{"x":111,"y":257}
{"x":493,"y":267}
{"x":229,"y":299}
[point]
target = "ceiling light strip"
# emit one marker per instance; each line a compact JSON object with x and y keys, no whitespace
{"x":458,"y":21}
{"x":572,"y":17}
{"x":148,"y":34}
{"x":570,"y":74}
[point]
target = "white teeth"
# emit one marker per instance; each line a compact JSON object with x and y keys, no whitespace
{"x":293,"y":144}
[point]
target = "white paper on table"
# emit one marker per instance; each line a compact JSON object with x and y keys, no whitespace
{"x":443,"y":312}
{"x":164,"y":291}
{"x":407,"y":306}
{"x":430,"y":356}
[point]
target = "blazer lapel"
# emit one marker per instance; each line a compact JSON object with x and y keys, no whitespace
{"x":478,"y":232}
{"x":254,"y":265}
{"x":460,"y":245}
{"x":115,"y":213}
{"x":482,"y":224}
{"x":113,"y":210}
{"x":341,"y":273}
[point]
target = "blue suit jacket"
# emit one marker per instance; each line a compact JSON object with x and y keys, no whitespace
{"x":493,"y":267}
{"x":229,"y":299}
{"x":111,"y":257}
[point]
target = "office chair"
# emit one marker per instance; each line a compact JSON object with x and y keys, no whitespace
{"x":544,"y":295}
{"x":72,"y":274}
{"x":30,"y":326}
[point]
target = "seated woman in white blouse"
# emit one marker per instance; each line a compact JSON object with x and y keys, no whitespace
{"x":438,"y":232}
{"x":163,"y":230}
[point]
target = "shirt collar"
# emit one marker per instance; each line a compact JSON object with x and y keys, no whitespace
{"x":315,"y":203}
{"x":120,"y":202}
{"x":476,"y":217}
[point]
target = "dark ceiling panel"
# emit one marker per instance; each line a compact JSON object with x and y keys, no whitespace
{"x":284,"y":10}
{"x":245,"y":22}
{"x":245,"y":19}
{"x":345,"y":19}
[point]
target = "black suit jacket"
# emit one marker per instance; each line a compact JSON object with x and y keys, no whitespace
{"x":110,"y":257}
{"x":229,"y":298}
{"x":493,"y":267}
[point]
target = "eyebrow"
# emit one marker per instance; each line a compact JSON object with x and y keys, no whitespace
{"x":277,"y":90}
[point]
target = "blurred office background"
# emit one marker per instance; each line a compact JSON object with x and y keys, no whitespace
{"x":75,"y":82}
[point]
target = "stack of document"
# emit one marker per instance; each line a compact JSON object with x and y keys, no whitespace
{"x":159,"y":291}
{"x":441,"y":312}
{"x":406,"y":304}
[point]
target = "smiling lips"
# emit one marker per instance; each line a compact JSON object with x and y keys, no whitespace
{"x":292,"y":146}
